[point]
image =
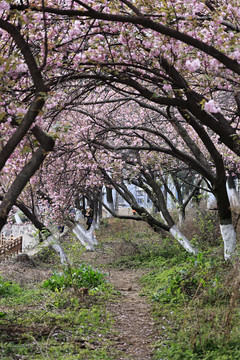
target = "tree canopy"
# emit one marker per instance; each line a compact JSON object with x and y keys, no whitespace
{"x":116,"y":85}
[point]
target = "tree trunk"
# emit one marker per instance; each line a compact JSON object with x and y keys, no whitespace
{"x":116,"y":208}
{"x":182,"y":216}
{"x":86,"y":237}
{"x":110,"y":202}
{"x":229,"y":239}
{"x":21,"y":180}
{"x":176,"y":233}
{"x":59,"y":250}
{"x":18,"y":219}
{"x":233,"y":194}
{"x":100,"y":211}
{"x":226,"y":225}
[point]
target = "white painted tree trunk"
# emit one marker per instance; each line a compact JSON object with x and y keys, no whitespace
{"x":181,"y":219}
{"x":86,"y":237}
{"x":78,"y":215}
{"x":110,"y":205}
{"x":18,"y":219}
{"x":176,"y":233}
{"x":229,"y":239}
{"x":53,"y":241}
{"x":233,"y":198}
{"x":59,"y":250}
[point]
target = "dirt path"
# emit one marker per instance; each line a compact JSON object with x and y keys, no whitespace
{"x":133,"y":322}
{"x":133,"y":329}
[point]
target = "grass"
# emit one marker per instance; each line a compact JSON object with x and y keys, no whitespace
{"x":42,"y":324}
{"x":67,"y":321}
{"x":195,"y":300}
{"x":39,"y":324}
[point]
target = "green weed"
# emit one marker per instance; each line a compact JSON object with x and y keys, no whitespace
{"x":199,"y":310}
{"x":70,"y":277}
{"x":8,"y":288}
{"x":55,"y":325}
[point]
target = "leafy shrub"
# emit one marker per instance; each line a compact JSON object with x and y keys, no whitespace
{"x":83,"y":276}
{"x":8,"y":288}
{"x":199,"y":309}
{"x":174,"y":291}
{"x":202,"y":226}
{"x":197,"y":276}
{"x":207,"y":224}
{"x":151,"y":255}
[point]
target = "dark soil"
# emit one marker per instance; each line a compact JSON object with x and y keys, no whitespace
{"x":133,"y":322}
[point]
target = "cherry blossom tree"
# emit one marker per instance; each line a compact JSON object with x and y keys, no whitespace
{"x":128,"y":140}
{"x":174,"y":61}
{"x":111,"y":149}
{"x":177,"y":58}
{"x":17,"y":117}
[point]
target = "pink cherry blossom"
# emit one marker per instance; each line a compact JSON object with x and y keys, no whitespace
{"x":193,"y":65}
{"x":211,"y":106}
{"x":236,"y":54}
{"x":4,"y":5}
{"x":167,"y":87}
